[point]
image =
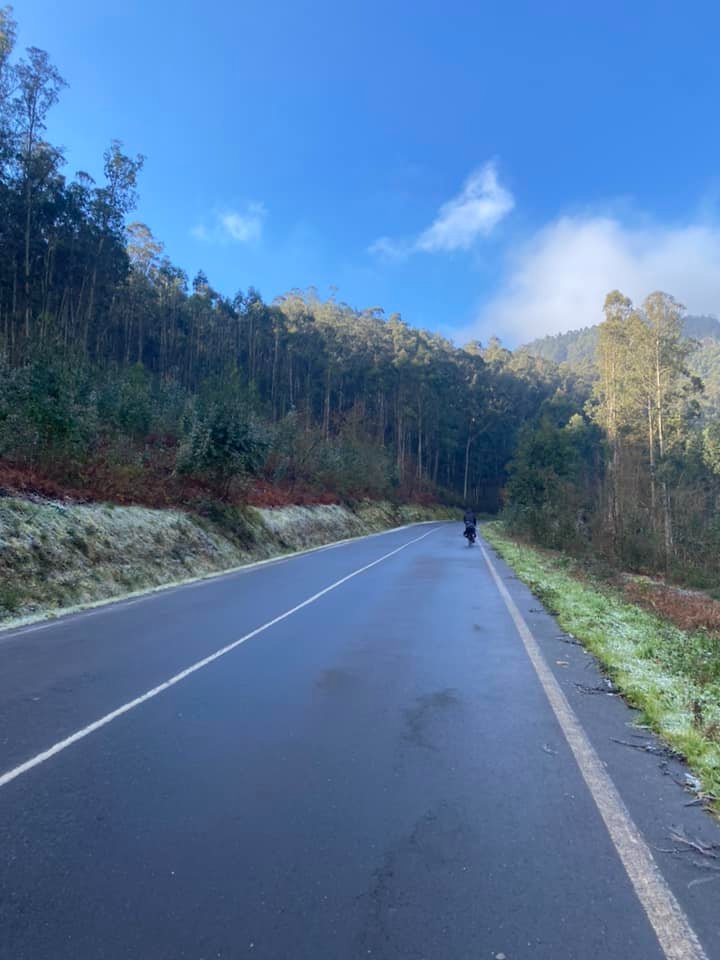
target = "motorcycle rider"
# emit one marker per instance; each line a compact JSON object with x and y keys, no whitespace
{"x":470,"y":522}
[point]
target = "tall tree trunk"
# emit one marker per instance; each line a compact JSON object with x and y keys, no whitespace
{"x":419,"y":442}
{"x":308,"y":401}
{"x":251,"y":349}
{"x":326,"y":406}
{"x":140,"y":336}
{"x":273,"y":384}
{"x":467,"y":467}
{"x":651,"y":449}
{"x":614,"y":494}
{"x":28,"y":221}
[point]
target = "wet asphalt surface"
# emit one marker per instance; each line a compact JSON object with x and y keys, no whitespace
{"x":378,"y":775}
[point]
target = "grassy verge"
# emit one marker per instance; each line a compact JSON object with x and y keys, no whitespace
{"x":671,"y":675}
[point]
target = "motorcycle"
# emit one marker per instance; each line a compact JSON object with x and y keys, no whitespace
{"x":470,"y":533}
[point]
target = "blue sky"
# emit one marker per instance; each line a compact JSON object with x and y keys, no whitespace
{"x":477,"y":167}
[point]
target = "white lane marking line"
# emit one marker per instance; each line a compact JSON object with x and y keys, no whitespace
{"x":61,"y":745}
{"x":672,"y":928}
{"x":56,"y":618}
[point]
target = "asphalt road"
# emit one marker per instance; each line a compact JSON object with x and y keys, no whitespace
{"x":379,"y":773}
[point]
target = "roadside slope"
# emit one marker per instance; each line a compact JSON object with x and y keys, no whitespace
{"x":55,"y":556}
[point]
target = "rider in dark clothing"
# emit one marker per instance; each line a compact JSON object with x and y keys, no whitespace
{"x":470,"y":525}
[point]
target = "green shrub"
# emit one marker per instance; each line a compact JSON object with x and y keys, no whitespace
{"x":224,"y":442}
{"x":10,"y":598}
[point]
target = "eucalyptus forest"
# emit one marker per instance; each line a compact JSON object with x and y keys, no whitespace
{"x":123,"y":379}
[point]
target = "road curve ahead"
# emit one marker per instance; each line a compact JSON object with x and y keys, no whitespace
{"x":356,"y":756}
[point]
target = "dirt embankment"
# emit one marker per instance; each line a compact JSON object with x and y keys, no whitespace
{"x":55,"y":556}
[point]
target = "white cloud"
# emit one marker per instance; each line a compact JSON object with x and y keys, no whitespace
{"x":244,"y":227}
{"x":389,"y":249}
{"x":474,"y":212}
{"x":200,"y":232}
{"x":233,"y":226}
{"x":558,"y":280}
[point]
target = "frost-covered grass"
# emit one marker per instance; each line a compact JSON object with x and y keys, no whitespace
{"x":671,"y":675}
{"x":298,"y":527}
{"x":55,"y":556}
{"x":377,"y":515}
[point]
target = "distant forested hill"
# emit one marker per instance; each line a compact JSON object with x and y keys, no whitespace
{"x":577,"y":348}
{"x":574,"y":347}
{"x":702,"y":327}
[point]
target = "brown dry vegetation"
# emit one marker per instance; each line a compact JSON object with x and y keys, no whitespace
{"x":684,"y":608}
{"x":687,"y":609}
{"x":150,"y":484}
{"x":149,"y":480}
